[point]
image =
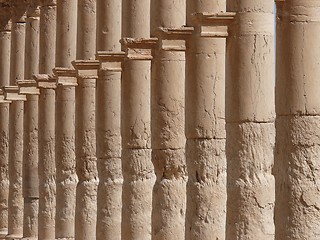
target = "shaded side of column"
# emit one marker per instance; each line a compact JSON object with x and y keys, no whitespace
{"x":15,"y":204}
{"x":250,"y":120}
{"x":168,"y":120}
{"x":135,"y":127}
{"x":5,"y":47}
{"x":66,"y":36}
{"x":297,"y":209}
{"x":66,"y":178}
{"x":30,"y":147}
{"x":108,"y":119}
{"x":205,"y":121}
{"x":47,"y":85}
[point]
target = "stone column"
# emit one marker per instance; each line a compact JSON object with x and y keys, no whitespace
{"x":109,"y":145}
{"x":66,"y":36}
{"x":86,"y":160}
{"x":5,"y":46}
{"x":250,"y":120}
{"x":137,"y":167}
{"x":168,"y":119}
{"x":46,"y":166}
{"x":47,"y":84}
{"x":15,"y":204}
{"x":205,"y":120}
{"x":108,"y":119}
{"x":30,"y":148}
{"x":66,"y":178}
{"x":297,"y":209}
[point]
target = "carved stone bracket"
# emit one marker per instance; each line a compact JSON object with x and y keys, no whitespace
{"x":28,"y":87}
{"x":87,"y":69}
{"x":11,"y":93}
{"x":173,"y":39}
{"x":46,"y":81}
{"x":212,"y":25}
{"x":138,"y":48}
{"x":110,"y":61}
{"x":2,"y":97}
{"x":65,"y":76}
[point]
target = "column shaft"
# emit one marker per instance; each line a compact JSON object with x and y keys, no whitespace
{"x":66,"y":32}
{"x":205,"y":128}
{"x":66,"y":179}
{"x":297,"y":209}
{"x":168,"y":124}
{"x":250,"y":120}
{"x":108,"y":118}
{"x":135,"y":128}
{"x":15,"y":204}
{"x":5,"y":47}
{"x":86,"y":159}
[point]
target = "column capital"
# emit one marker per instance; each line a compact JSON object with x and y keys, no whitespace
{"x":33,"y":10}
{"x":11,"y":93}
{"x":65,"y":76}
{"x":212,"y":24}
{"x":28,"y":87}
{"x":138,"y":48}
{"x":111,"y":61}
{"x":173,"y":39}
{"x":2,"y":97}
{"x":86,"y":68}
{"x":45,"y":81}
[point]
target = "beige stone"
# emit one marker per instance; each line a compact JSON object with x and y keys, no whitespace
{"x":66,"y":177}
{"x":297,"y":125}
{"x":250,"y":116}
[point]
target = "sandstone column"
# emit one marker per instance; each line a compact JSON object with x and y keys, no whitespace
{"x":66,"y":179}
{"x":47,"y":84}
{"x":30,"y":148}
{"x":46,"y":167}
{"x":108,"y":119}
{"x":5,"y":46}
{"x":15,"y":204}
{"x":205,"y":120}
{"x":297,"y":210}
{"x":86,"y":160}
{"x":138,"y":177}
{"x":168,"y":119}
{"x":250,"y":120}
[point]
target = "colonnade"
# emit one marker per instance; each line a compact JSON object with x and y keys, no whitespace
{"x":158,"y":119}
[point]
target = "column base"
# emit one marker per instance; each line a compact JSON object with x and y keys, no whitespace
{"x":3,"y":232}
{"x":13,"y":237}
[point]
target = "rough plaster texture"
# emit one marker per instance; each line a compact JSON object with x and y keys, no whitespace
{"x":297,"y":211}
{"x":250,"y":116}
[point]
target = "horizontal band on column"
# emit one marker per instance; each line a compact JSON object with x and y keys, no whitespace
{"x":2,"y":97}
{"x":110,"y":61}
{"x":28,"y":87}
{"x":138,"y":48}
{"x":11,"y":93}
{"x":304,"y":11}
{"x":253,"y":23}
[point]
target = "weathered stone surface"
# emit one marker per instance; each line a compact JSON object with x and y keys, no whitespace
{"x":296,"y":171}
